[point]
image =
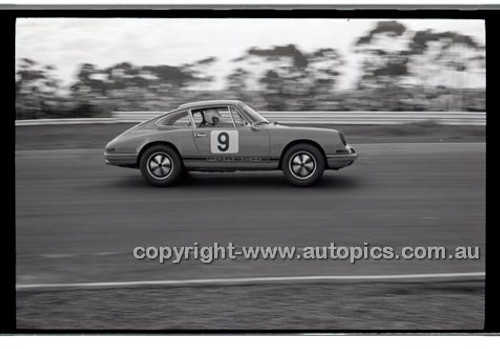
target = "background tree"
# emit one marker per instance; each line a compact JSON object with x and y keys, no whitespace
{"x":88,"y":81}
{"x":199,"y":73}
{"x":412,"y":70}
{"x":286,"y":77}
{"x":125,"y":86}
{"x":323,"y":70}
{"x":384,"y":59}
{"x":237,"y":83}
{"x":445,"y":58}
{"x":36,"y":88}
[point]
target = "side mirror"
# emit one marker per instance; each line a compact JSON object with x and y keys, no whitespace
{"x":254,"y":127}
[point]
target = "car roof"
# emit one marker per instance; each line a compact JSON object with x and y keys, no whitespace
{"x":209,"y":103}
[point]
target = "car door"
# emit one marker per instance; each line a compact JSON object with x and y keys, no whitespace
{"x":232,"y":142}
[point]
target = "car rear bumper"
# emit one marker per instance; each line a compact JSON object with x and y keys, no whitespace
{"x":343,"y":158}
{"x":120,"y":159}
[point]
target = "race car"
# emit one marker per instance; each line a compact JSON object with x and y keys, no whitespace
{"x":227,"y":135}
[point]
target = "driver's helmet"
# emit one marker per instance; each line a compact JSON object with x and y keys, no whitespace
{"x":212,"y":117}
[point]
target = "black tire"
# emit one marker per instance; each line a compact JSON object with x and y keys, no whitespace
{"x":303,"y":164}
{"x":168,"y":169}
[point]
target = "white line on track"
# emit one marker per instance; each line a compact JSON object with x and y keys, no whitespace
{"x":253,"y":280}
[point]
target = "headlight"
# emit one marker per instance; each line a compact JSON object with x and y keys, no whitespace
{"x":342,"y":137}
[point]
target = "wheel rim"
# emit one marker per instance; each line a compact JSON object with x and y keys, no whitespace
{"x":302,"y":165}
{"x":160,"y":165}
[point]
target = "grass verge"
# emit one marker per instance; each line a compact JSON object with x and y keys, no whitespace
{"x":88,"y":136}
{"x":309,"y":306}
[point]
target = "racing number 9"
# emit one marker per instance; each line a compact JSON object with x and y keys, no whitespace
{"x":223,"y":141}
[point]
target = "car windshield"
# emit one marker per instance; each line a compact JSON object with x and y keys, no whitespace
{"x":256,"y":117}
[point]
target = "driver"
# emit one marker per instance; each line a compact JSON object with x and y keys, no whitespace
{"x":212,"y":118}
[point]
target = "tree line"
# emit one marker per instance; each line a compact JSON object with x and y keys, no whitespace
{"x":399,"y":70}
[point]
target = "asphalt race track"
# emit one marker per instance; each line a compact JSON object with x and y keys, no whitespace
{"x":78,"y":220}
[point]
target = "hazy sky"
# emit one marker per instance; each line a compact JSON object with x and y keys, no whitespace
{"x":67,"y":42}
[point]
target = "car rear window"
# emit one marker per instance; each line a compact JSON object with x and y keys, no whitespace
{"x":180,"y":119}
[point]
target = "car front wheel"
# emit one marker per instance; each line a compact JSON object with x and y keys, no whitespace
{"x":160,"y":165}
{"x":303,"y":165}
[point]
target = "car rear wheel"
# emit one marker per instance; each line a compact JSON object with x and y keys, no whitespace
{"x":160,"y":166}
{"x":303,"y":165}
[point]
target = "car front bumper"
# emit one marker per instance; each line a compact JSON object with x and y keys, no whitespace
{"x":343,"y":158}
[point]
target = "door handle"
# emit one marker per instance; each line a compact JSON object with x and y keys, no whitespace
{"x":200,"y":134}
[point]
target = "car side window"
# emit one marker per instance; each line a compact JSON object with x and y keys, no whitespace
{"x":197,"y":117}
{"x":239,"y":120}
{"x":219,"y":117}
{"x":180,"y":119}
